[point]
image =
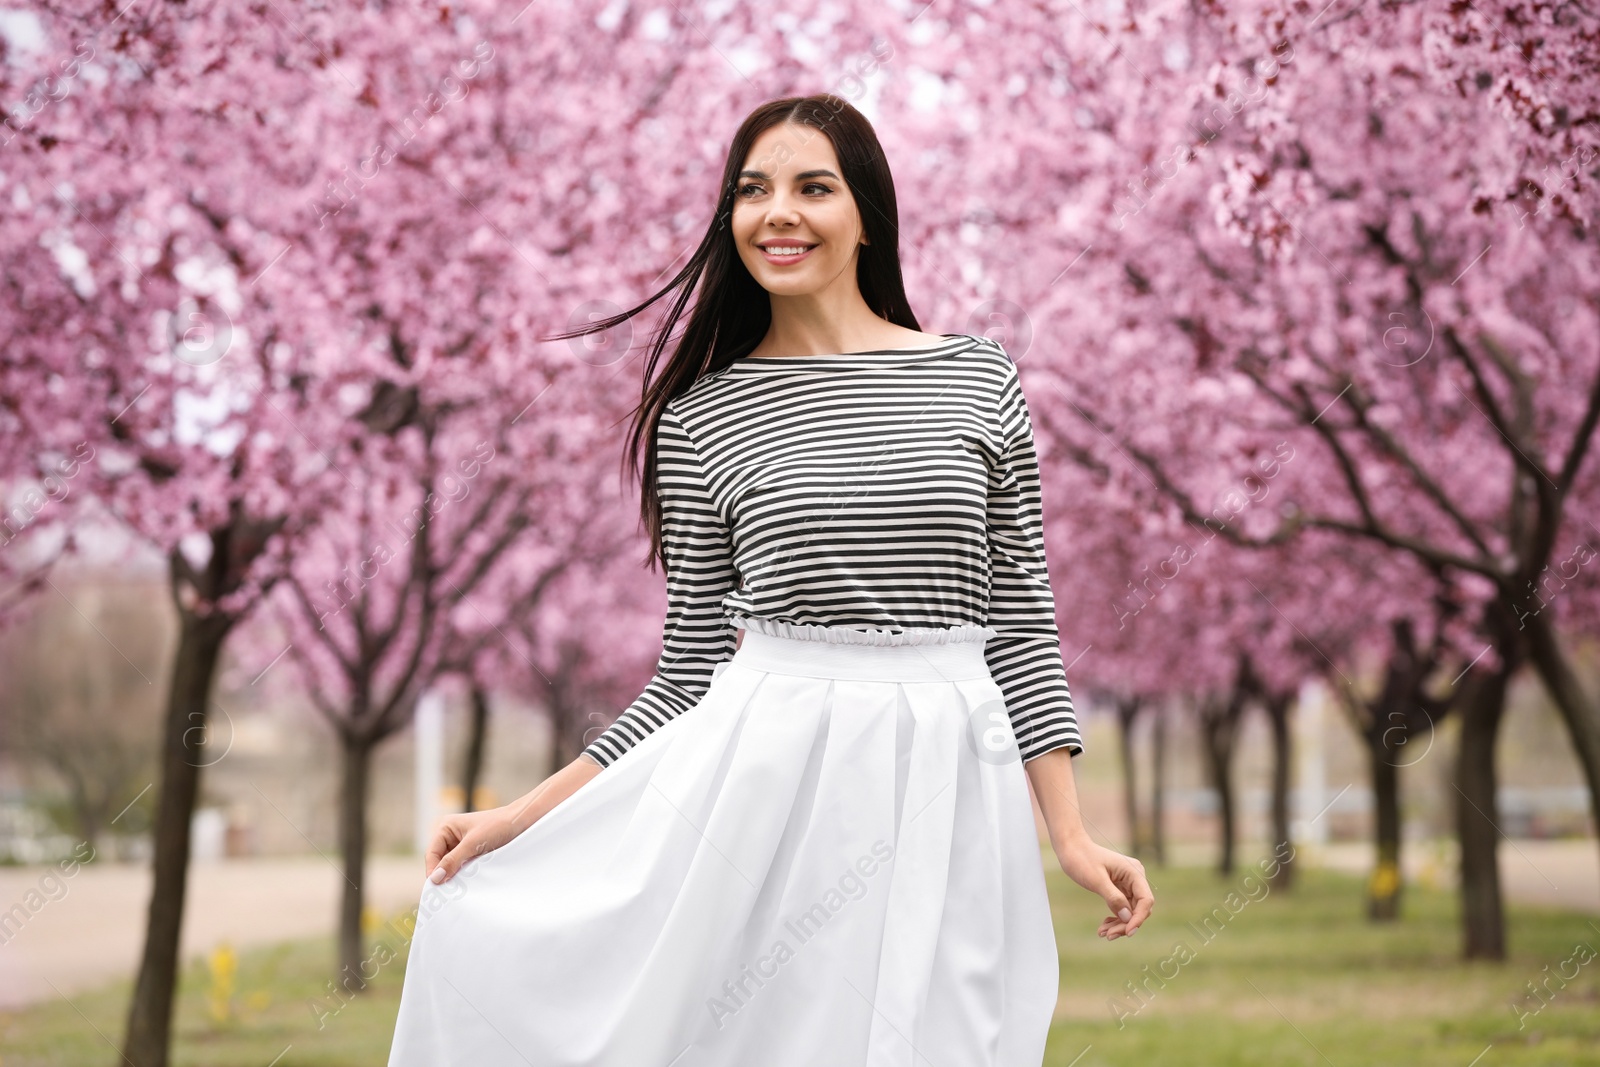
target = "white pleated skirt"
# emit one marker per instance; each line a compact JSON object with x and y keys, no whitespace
{"x":831,"y":859}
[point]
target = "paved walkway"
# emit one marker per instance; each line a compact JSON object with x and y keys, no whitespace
{"x":79,"y":932}
{"x":1561,"y":873}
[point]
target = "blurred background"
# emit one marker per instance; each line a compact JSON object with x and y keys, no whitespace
{"x":306,"y":537}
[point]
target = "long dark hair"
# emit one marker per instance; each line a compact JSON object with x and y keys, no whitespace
{"x":733,"y":312}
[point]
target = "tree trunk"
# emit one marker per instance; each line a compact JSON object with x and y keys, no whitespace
{"x":1219,"y":720}
{"x":1477,"y":818}
{"x":1383,"y":889}
{"x":88,"y":808}
{"x":1158,"y":778}
{"x":353,"y":788}
{"x":571,"y":727}
{"x":1577,"y":711}
{"x":472,"y":769}
{"x":184,"y":751}
{"x":1127,"y":717}
{"x":561,"y":730}
{"x":1277,"y":708}
{"x":1391,"y":723}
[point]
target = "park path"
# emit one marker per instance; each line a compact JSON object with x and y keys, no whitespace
{"x":1559,"y":873}
{"x":93,"y":931}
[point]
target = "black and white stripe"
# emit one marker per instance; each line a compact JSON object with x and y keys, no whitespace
{"x":884,"y":490}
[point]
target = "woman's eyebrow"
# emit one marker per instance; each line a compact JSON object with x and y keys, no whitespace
{"x":802,"y":176}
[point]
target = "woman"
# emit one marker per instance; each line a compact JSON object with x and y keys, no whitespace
{"x":809,"y":843}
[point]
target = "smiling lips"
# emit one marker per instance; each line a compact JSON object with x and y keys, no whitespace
{"x":784,"y":253}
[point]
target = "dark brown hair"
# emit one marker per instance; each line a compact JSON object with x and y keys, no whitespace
{"x":733,"y":312}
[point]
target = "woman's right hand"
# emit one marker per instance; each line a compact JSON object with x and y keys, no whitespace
{"x":459,"y":838}
{"x":464,"y":836}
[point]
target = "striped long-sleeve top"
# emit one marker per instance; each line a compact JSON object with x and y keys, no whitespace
{"x":879,"y":490}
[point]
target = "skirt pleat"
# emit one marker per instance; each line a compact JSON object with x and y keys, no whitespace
{"x":815,"y":864}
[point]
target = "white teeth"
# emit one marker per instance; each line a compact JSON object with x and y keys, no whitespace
{"x":790,"y":251}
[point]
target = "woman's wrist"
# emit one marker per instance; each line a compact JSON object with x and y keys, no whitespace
{"x":526,"y":809}
{"x":529,"y":809}
{"x":1073,"y":840}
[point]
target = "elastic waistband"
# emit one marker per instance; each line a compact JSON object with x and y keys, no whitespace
{"x":906,"y":662}
{"x":855,"y":635}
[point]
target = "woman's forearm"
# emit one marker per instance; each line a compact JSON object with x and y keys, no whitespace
{"x":534,"y":804}
{"x":1119,"y":880}
{"x":1057,"y":793}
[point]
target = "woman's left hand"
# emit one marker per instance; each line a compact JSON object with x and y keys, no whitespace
{"x":1117,"y":879}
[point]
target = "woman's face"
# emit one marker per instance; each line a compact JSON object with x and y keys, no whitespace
{"x":794,"y":221}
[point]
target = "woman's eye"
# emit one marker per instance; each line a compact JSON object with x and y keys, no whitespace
{"x":745,"y":190}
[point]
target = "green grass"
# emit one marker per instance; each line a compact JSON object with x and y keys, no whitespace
{"x":271,"y":1011}
{"x":1294,"y":978}
{"x":1299,"y":977}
